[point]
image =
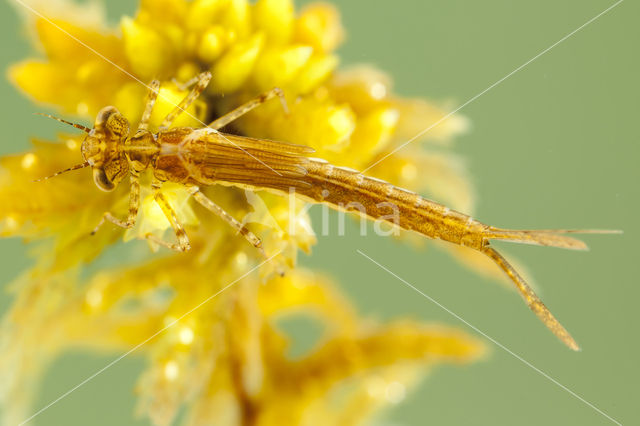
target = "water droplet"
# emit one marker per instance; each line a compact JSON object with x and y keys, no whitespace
{"x":378,"y":91}
{"x":28,"y":160}
{"x":82,"y":108}
{"x":171,"y":370}
{"x":94,"y":297}
{"x":72,"y":144}
{"x":395,"y":392}
{"x":186,"y":335}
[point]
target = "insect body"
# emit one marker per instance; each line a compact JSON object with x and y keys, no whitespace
{"x":206,"y":156}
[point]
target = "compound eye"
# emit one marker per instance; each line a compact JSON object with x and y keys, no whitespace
{"x":104,"y":115}
{"x":118,"y":125}
{"x":102,"y":181}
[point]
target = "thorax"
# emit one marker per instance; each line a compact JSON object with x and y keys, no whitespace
{"x":141,"y":149}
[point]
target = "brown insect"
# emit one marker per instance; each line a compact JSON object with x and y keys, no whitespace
{"x":205,"y":156}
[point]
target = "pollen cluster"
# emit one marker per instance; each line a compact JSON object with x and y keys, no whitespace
{"x":217,"y":350}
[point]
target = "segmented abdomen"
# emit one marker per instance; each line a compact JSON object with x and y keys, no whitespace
{"x":350,"y":190}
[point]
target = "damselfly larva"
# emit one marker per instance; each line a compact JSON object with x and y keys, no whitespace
{"x":205,"y":156}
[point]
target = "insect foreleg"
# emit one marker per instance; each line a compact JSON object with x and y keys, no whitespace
{"x":134,"y":203}
{"x":202,"y":83}
{"x":242,"y":230}
{"x":245,"y":108}
{"x":183,"y":241}
{"x":154,"y":86}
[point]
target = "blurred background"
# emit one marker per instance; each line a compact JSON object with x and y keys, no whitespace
{"x":555,"y":145}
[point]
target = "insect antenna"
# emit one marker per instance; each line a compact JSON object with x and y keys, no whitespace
{"x":77,"y":126}
{"x":76,"y":167}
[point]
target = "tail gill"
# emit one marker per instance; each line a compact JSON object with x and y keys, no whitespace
{"x":546,"y":237}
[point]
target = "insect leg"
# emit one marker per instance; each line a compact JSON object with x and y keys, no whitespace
{"x":184,"y":86}
{"x":154,"y":86}
{"x":202,"y":82}
{"x":210,"y":205}
{"x":183,"y":241}
{"x":134,"y":202}
{"x":245,"y":108}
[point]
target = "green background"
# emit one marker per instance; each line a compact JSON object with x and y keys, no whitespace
{"x":555,"y":145}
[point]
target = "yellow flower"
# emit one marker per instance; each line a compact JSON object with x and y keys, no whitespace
{"x":228,"y":358}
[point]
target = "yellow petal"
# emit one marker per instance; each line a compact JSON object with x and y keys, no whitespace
{"x":129,"y":100}
{"x":203,"y":13}
{"x":383,"y":346}
{"x":315,"y":72}
{"x":319,"y":25}
{"x":42,"y":81}
{"x":274,"y":18}
{"x":236,"y":17}
{"x":418,"y":115}
{"x":277,"y":67}
{"x":161,"y":12}
{"x":341,"y":125}
{"x":58,"y":45}
{"x":305,"y":289}
{"x":363,"y":87}
{"x":148,"y":52}
{"x":211,"y":44}
{"x":187,"y":71}
{"x":235,"y":66}
{"x":373,"y":132}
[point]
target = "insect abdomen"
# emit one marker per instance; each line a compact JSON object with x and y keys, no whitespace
{"x":350,"y":190}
